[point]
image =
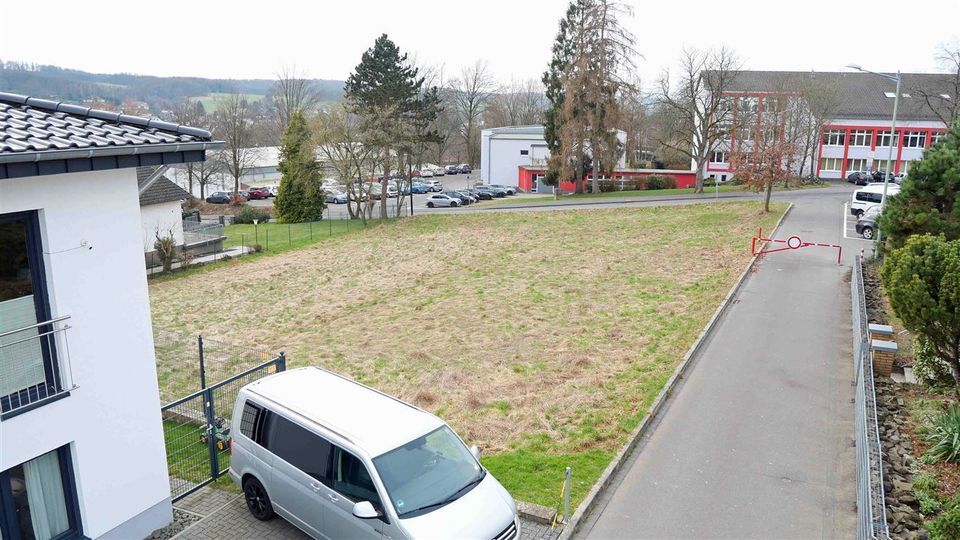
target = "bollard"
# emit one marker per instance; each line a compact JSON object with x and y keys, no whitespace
{"x":566,"y":498}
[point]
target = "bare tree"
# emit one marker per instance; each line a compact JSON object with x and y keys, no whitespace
{"x":234,"y":125}
{"x":634,"y":108}
{"x":942,"y":97}
{"x":519,"y":104}
{"x":207,"y":171}
{"x":470,"y":93}
{"x":819,"y":99}
{"x":292,"y":92}
{"x":339,"y":135}
{"x":697,"y":105}
{"x":190,"y":113}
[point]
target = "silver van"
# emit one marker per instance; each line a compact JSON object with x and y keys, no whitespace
{"x":341,"y":460}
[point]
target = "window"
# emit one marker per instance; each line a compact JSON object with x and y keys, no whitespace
{"x":914,"y":139}
{"x":883,"y":138}
{"x":856,"y":165}
{"x":524,"y":152}
{"x":830,"y":164}
{"x":773,"y":104}
{"x":351,"y":479}
{"x":834,"y":137}
{"x":860,"y":137}
{"x":299,"y":447}
{"x":27,"y":373}
{"x":748,"y":104}
{"x":937,"y":137}
{"x":252,"y":423}
{"x":869,"y":196}
{"x":40,"y":496}
{"x":720,"y":156}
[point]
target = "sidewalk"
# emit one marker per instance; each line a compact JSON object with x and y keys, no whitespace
{"x":756,"y":443}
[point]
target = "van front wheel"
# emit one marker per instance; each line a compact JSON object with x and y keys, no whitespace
{"x":858,"y":213}
{"x":258,"y":502}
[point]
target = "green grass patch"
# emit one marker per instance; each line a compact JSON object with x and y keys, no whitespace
{"x":538,"y":475}
{"x":211,"y":102}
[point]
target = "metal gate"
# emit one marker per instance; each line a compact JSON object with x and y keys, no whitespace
{"x":196,"y":430}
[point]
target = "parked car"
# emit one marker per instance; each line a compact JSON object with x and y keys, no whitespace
{"x":258,"y":193}
{"x":417,"y":479}
{"x":869,"y":197}
{"x":442,"y":199}
{"x":464,"y":168}
{"x":479,"y":195}
{"x":860,"y":178}
{"x":439,"y":171}
{"x":418,"y":188}
{"x":464,"y":198}
{"x":274,"y":190}
{"x":495,"y":192}
{"x":867,"y":224}
{"x":435,"y":185}
{"x":509,"y":189}
{"x":335,"y":196}
{"x":220,"y":197}
{"x":451,"y":169}
{"x":244,"y":193}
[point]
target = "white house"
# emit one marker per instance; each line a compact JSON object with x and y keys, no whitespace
{"x":81,"y":441}
{"x":160,"y":206}
{"x":504,"y":150}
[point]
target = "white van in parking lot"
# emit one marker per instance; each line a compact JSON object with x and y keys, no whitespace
{"x":870,"y":197}
{"x":341,"y":460}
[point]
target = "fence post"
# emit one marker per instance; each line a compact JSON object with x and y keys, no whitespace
{"x":242,"y":242}
{"x":566,"y":498}
{"x":282,"y":361}
{"x":311,"y":231}
{"x":203,"y":369}
{"x":267,"y":242}
{"x":288,"y":234}
{"x":211,"y":433}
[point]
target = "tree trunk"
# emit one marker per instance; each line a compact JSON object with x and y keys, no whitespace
{"x":595,"y":183}
{"x":766,"y":199}
{"x":699,"y":185}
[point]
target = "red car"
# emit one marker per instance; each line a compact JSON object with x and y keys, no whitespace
{"x":259,"y":193}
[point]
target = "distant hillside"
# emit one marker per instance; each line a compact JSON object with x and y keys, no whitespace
{"x":158,"y":93}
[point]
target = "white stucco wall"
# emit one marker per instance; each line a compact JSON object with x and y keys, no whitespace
{"x":165,"y":217}
{"x":112,"y":420}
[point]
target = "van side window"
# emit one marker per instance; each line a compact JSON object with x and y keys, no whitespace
{"x":252,"y":422}
{"x":351,"y":479}
{"x":299,"y":447}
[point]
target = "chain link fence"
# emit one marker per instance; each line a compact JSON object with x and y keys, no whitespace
{"x":871,"y":506}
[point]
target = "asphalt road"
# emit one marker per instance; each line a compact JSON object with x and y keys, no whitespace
{"x":756,"y":442}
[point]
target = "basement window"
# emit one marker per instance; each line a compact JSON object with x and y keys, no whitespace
{"x":524,"y":152}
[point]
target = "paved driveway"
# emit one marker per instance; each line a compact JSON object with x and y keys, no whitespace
{"x":756,"y":443}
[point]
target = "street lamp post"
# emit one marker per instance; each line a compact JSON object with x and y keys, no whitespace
{"x":893,"y":135}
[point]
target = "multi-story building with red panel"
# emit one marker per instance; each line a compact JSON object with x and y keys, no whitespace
{"x":856,"y":135}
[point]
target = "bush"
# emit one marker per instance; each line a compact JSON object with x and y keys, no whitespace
{"x":925,"y":487}
{"x":237,"y":200}
{"x":945,"y":527}
{"x":661,"y":181}
{"x":248,"y":213}
{"x":927,"y":366}
{"x":944,"y":436}
{"x":190,"y":213}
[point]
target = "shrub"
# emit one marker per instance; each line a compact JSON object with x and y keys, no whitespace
{"x":944,"y":435}
{"x":945,"y":527}
{"x":927,"y":366}
{"x":925,"y":487}
{"x":257,"y":248}
{"x":190,"y":213}
{"x":661,"y":181}
{"x":248,"y":213}
{"x":166,"y":248}
{"x":237,"y":200}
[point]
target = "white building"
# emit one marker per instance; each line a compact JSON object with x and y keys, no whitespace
{"x":81,"y":441}
{"x":160,"y":206}
{"x":504,"y":150}
{"x":857,"y":137}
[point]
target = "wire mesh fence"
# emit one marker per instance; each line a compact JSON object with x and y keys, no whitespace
{"x":196,"y":427}
{"x":871,"y":506}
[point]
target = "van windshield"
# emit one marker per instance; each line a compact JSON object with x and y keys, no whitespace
{"x":428,"y":473}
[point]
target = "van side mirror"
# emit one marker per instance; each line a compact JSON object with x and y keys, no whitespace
{"x":365,"y":510}
{"x":475,"y":451}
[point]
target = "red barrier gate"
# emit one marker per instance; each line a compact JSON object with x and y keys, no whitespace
{"x":794,"y":242}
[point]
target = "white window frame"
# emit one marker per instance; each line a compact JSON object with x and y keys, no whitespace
{"x":914,"y":139}
{"x":750,"y":104}
{"x":724,"y":156}
{"x":827,"y":161}
{"x":834,"y":137}
{"x":856,"y":164}
{"x":884,"y":138}
{"x":861,"y":137}
{"x":938,"y":136}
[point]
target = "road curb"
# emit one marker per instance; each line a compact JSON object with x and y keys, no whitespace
{"x":617,"y":463}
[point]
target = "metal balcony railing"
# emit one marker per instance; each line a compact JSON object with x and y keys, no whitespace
{"x":34,"y":366}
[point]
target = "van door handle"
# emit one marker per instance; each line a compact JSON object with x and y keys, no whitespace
{"x":332,"y":497}
{"x":315,"y":487}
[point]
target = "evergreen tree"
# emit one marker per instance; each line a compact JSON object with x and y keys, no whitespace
{"x":929,"y":201}
{"x":553,"y":81}
{"x":300,"y":198}
{"x":383,"y":92}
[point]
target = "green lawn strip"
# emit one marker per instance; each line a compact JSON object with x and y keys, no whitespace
{"x":638,"y":193}
{"x":187,"y":457}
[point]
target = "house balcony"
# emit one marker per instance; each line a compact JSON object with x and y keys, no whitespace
{"x":34,"y":366}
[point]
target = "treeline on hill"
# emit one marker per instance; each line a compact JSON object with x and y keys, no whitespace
{"x":159,"y":93}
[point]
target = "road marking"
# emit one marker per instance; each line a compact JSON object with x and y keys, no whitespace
{"x":847,"y":226}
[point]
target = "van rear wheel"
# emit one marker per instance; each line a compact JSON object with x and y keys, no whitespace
{"x":858,"y":213}
{"x":258,"y":502}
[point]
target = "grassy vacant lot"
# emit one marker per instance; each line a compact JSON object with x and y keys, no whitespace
{"x":211,"y":102}
{"x":276,"y":236}
{"x":541,"y":337}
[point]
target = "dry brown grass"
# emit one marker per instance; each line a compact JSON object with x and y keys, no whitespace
{"x":559,"y":326}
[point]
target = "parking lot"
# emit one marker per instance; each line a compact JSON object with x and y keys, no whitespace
{"x":848,"y":225}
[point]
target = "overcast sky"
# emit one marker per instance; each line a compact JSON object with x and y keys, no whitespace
{"x":325,"y":38}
